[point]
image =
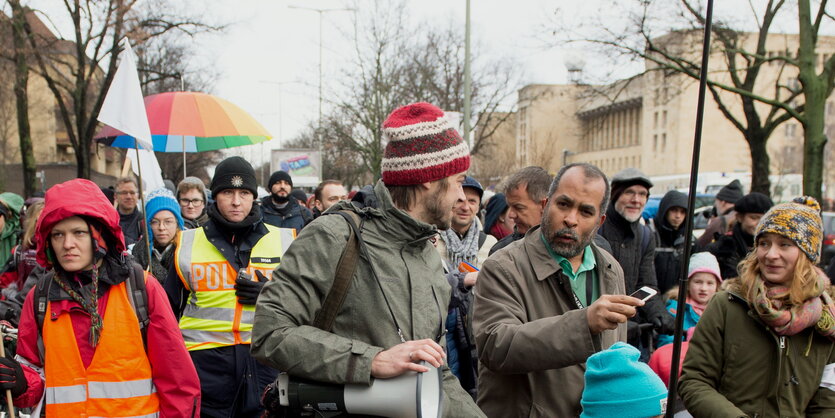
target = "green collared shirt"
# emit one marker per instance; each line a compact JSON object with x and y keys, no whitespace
{"x":578,"y":278}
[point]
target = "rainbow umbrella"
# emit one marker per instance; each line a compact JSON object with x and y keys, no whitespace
{"x":192,"y":122}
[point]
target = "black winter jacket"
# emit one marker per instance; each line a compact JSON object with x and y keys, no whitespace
{"x":730,"y":249}
{"x":636,"y":257}
{"x":669,"y":242}
{"x":291,"y":216}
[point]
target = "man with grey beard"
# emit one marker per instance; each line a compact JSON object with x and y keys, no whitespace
{"x":547,"y":302}
{"x":634,"y":248}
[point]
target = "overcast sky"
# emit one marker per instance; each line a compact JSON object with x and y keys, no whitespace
{"x":267,"y":59}
{"x":274,"y":43}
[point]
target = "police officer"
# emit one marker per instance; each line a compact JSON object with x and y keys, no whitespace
{"x":218,"y":271}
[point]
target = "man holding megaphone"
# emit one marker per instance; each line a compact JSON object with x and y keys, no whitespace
{"x":386,"y":321}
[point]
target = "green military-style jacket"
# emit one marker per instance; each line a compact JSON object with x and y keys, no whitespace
{"x":737,"y":367}
{"x":411,"y":275}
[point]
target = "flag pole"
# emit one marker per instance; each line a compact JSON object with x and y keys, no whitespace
{"x":145,"y":234}
{"x":691,"y":202}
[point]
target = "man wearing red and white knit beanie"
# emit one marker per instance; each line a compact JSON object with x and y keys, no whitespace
{"x":391,"y":321}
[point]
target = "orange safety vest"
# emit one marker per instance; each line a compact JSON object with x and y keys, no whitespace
{"x":118,"y":382}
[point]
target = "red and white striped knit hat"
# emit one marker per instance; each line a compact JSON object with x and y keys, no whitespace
{"x":422,"y":146}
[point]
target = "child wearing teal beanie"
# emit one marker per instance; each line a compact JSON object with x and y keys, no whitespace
{"x":619,"y":385}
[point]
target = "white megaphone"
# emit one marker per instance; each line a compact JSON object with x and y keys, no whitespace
{"x":411,"y":395}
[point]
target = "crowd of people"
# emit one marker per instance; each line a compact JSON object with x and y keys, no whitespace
{"x":193,"y":304}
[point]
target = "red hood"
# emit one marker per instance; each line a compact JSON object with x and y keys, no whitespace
{"x":77,"y":197}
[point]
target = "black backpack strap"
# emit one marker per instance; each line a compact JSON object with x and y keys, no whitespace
{"x":345,"y":270}
{"x":39,"y":304}
{"x":481,"y":238}
{"x":138,"y":296}
{"x":645,"y":237}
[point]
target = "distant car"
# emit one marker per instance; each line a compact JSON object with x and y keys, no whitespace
{"x":700,"y":218}
{"x":828,"y":250}
{"x":702,"y":200}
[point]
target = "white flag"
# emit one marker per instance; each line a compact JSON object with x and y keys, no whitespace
{"x":151,"y":172}
{"x":123,"y":107}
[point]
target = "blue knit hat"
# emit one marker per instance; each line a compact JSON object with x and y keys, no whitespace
{"x":618,"y":385}
{"x":157,"y":200}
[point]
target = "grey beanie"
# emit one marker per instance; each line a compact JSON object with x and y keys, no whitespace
{"x":191,"y":182}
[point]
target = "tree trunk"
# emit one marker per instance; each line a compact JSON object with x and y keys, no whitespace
{"x":760,"y":162}
{"x":814,"y":93}
{"x":21,"y":90}
{"x":814,"y":143}
{"x":82,"y":158}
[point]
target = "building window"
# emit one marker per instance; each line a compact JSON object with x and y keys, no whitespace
{"x":790,"y":130}
{"x":663,"y":142}
{"x":664,"y":118}
{"x":655,"y":120}
{"x":655,"y":143}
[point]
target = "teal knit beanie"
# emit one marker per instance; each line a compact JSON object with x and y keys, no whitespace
{"x":618,"y":385}
{"x":161,"y":199}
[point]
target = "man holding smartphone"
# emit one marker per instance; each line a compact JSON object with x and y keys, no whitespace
{"x":549,"y":301}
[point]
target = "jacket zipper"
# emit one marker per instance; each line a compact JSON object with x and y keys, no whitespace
{"x":782,"y":341}
{"x":442,"y":331}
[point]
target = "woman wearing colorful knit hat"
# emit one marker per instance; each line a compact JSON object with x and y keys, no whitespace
{"x":766,"y":346}
{"x":162,"y":214}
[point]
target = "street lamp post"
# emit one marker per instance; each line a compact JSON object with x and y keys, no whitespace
{"x":467,"y":78}
{"x":321,"y":14}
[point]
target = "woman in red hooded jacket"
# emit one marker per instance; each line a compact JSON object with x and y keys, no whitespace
{"x":95,"y":361}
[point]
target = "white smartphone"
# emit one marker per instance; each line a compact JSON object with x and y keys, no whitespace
{"x":644,"y":293}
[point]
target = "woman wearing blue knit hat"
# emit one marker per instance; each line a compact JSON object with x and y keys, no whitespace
{"x":162,"y":214}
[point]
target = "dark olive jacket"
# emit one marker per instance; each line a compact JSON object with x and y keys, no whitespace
{"x":737,"y":367}
{"x":410,"y":273}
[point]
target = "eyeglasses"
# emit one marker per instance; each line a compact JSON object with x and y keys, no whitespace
{"x":168,"y":223}
{"x":631,"y":193}
{"x":191,"y":202}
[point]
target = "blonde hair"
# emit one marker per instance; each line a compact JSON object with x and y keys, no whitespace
{"x":32,"y":215}
{"x":803,"y":286}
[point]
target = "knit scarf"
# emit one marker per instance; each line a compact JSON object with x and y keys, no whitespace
{"x":699,"y":308}
{"x":91,"y":305}
{"x":459,"y":249}
{"x":499,"y":231}
{"x":785,"y":319}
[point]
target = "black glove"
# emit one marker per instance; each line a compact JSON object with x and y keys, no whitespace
{"x":11,"y":377}
{"x":246,"y":289}
{"x":664,"y":323}
{"x":633,"y":332}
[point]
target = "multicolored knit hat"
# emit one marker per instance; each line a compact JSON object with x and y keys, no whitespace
{"x":799,"y":221}
{"x":422,"y":146}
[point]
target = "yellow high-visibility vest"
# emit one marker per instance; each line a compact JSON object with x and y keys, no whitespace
{"x":213,"y":317}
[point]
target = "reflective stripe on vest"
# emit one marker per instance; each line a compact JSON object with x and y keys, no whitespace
{"x":212,"y":316}
{"x":117,"y":383}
